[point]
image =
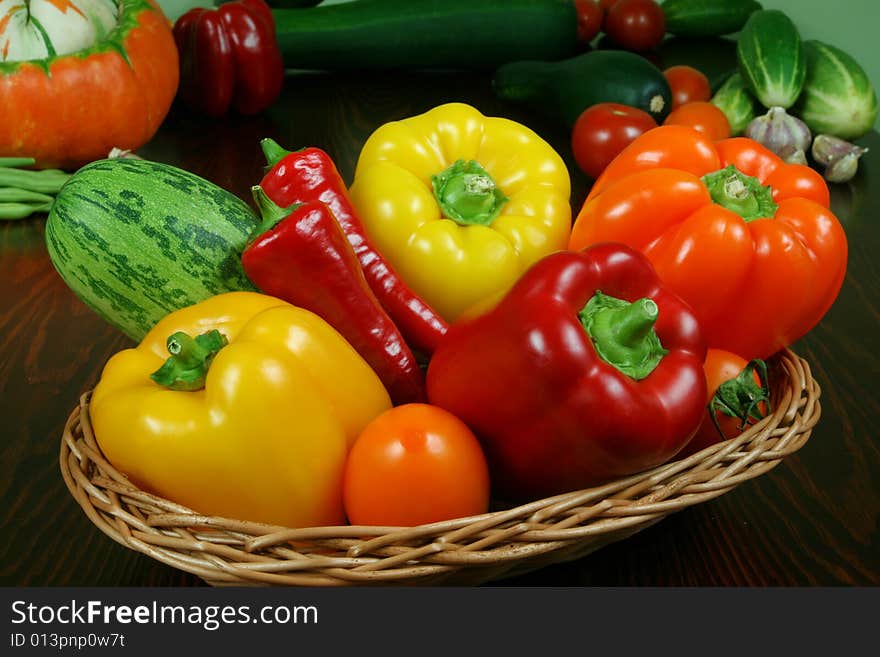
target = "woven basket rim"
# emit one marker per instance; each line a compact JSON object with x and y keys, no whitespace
{"x":471,"y":550}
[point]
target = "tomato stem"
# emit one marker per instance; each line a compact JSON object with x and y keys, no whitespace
{"x":741,"y":397}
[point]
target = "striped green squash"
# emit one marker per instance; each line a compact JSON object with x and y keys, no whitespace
{"x":735,"y":100}
{"x":771,"y":58}
{"x":136,"y":240}
{"x":838,"y":98}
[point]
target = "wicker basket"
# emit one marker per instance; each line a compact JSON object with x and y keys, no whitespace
{"x":464,"y":551}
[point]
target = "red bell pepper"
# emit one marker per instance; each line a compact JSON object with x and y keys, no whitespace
{"x":300,"y":255}
{"x":588,"y":369}
{"x":229,"y":56}
{"x":310,"y":174}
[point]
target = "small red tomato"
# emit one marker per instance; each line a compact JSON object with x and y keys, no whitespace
{"x":688,"y":85}
{"x":636,"y":24}
{"x":590,"y":15}
{"x":703,"y":117}
{"x":415,"y":464}
{"x":602,"y":131}
{"x":743,"y":399}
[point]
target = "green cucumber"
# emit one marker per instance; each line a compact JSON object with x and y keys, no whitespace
{"x":838,"y":98}
{"x":734,"y":99}
{"x":136,"y":240}
{"x":445,"y":34}
{"x":562,"y":90}
{"x":771,"y":58}
{"x":697,"y":18}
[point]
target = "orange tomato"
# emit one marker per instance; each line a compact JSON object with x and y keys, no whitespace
{"x":724,"y":367}
{"x":703,"y":117}
{"x":688,"y":85}
{"x":412,"y":465}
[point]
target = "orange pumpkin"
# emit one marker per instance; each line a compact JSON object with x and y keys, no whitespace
{"x":68,"y":110}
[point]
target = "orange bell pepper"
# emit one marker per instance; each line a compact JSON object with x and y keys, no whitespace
{"x":747,"y":240}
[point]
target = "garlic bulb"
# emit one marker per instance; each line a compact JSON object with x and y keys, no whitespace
{"x":840,"y":158}
{"x":778,"y":129}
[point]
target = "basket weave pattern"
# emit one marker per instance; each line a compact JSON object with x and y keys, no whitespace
{"x":464,"y":551}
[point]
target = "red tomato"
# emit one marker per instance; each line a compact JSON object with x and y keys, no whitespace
{"x":722,"y":366}
{"x":415,"y":464}
{"x":607,"y":4}
{"x":636,"y":24}
{"x":590,"y":15}
{"x":603,"y":130}
{"x":688,"y":85}
{"x":702,"y":117}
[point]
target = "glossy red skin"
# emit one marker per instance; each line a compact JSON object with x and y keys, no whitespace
{"x":688,"y":85}
{"x":306,"y":260}
{"x":637,"y":25}
{"x":552,"y":416}
{"x":229,"y":58}
{"x":310,"y":174}
{"x":602,"y":131}
{"x":590,"y":16}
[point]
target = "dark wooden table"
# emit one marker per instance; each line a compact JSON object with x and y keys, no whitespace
{"x":811,"y":521}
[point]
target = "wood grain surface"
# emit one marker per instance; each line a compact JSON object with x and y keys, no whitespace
{"x":811,"y":521}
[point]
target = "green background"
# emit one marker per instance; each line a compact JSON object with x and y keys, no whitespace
{"x":851,"y":25}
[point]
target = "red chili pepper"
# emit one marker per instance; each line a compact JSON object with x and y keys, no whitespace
{"x":588,"y":369}
{"x":301,"y":256}
{"x":310,"y":174}
{"x":229,"y":56}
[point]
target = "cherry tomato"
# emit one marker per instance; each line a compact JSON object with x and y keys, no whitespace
{"x":603,"y":130}
{"x":720,"y":367}
{"x":415,"y":464}
{"x":702,"y":117}
{"x":688,"y":85}
{"x":590,"y":15}
{"x":636,"y":24}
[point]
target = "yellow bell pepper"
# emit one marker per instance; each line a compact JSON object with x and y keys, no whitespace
{"x":461,"y":204}
{"x":251,"y":420}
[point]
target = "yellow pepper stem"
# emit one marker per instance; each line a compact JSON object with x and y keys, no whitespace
{"x":467,"y":194}
{"x":187,"y":367}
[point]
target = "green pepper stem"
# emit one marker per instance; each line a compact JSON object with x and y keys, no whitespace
{"x":189,"y":361}
{"x":745,"y":195}
{"x":271,"y":213}
{"x":623,"y":333}
{"x":272,"y":151}
{"x":467,"y":194}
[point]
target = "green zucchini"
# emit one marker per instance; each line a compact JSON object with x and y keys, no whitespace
{"x":733,"y":98}
{"x":698,"y":18}
{"x":429,"y":34}
{"x":771,"y":58}
{"x":562,"y":90}
{"x":136,"y":240}
{"x":838,"y":98}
